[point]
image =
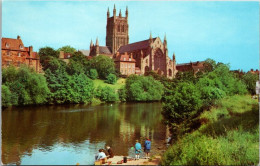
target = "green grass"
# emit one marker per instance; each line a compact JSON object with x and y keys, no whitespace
{"x":118,"y":85}
{"x":229,"y":135}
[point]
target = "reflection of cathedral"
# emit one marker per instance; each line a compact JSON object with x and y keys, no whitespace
{"x":149,"y":55}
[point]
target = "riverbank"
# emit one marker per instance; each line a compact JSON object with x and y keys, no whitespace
{"x":229,"y":135}
{"x":154,"y":160}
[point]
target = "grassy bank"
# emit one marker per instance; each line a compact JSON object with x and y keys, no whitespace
{"x":229,"y":135}
{"x":118,"y":85}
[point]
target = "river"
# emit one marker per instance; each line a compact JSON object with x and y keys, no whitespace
{"x":70,"y":134}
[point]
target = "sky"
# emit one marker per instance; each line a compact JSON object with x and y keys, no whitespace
{"x":227,"y":32}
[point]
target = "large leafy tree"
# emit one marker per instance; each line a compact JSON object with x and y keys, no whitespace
{"x":67,"y":49}
{"x":25,"y":85}
{"x":104,"y":65}
{"x":250,"y":80}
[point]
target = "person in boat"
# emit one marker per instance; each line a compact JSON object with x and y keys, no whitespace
{"x":147,"y":147}
{"x":100,"y":155}
{"x":138,"y":148}
{"x":110,"y":152}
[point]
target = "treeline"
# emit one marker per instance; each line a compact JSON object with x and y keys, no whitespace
{"x":72,"y":82}
{"x":191,"y":95}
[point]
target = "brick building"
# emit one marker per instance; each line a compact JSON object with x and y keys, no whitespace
{"x":125,"y":64}
{"x":149,"y":55}
{"x":190,"y":67}
{"x":15,"y":53}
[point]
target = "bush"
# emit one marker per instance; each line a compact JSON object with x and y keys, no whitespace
{"x":106,"y":94}
{"x":25,"y":85}
{"x":142,"y":88}
{"x":250,"y":82}
{"x":93,"y":74}
{"x":122,"y":94}
{"x":111,"y":79}
{"x":6,"y":96}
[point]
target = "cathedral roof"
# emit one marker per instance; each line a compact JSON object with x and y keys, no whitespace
{"x":105,"y":50}
{"x":135,"y":46}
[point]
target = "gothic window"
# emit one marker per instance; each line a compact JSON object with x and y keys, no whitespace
{"x":118,"y":28}
{"x":123,"y":28}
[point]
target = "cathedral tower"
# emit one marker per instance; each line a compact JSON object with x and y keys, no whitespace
{"x":117,"y":30}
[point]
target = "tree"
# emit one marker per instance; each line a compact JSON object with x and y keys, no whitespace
{"x":104,"y":65}
{"x":67,"y":49}
{"x":250,"y":80}
{"x":106,"y":94}
{"x":26,"y":86}
{"x":143,"y":88}
{"x":6,"y":96}
{"x":111,"y":79}
{"x":48,"y":51}
{"x":93,"y":74}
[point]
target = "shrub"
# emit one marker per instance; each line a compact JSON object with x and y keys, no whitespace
{"x":106,"y":94}
{"x":111,"y":79}
{"x":6,"y":96}
{"x":93,"y":74}
{"x":143,"y":88}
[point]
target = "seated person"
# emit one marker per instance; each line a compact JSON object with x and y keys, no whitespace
{"x":110,"y":152}
{"x":100,"y":155}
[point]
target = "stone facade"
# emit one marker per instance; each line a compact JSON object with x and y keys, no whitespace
{"x":149,"y":55}
{"x":14,"y":53}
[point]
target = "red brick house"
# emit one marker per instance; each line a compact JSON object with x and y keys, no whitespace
{"x":125,"y":64}
{"x":192,"y":67}
{"x":15,"y":53}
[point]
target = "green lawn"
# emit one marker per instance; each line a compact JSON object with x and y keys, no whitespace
{"x":119,"y":84}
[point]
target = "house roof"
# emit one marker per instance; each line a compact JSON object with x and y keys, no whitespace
{"x":124,"y":58}
{"x":85,"y":52}
{"x":105,"y":50}
{"x":13,"y":44}
{"x":135,"y":46}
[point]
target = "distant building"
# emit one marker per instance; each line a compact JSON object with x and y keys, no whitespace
{"x":149,"y":55}
{"x":125,"y":64}
{"x":15,"y":53}
{"x":254,"y":71}
{"x":191,"y":67}
{"x":65,"y":56}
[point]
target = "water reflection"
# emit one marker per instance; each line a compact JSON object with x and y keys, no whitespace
{"x":70,"y":134}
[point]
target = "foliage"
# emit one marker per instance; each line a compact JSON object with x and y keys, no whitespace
{"x":141,"y":88}
{"x":104,"y":65}
{"x":77,"y":64}
{"x":25,"y":85}
{"x":47,"y":51}
{"x":111,"y":79}
{"x":106,"y":94}
{"x":250,"y":81}
{"x":122,"y":94}
{"x":67,"y":49}
{"x":228,"y":136}
{"x":6,"y":96}
{"x":93,"y":74}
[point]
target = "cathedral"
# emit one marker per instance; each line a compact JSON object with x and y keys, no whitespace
{"x":133,"y":58}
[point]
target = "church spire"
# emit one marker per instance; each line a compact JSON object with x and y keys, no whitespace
{"x":126,"y":12}
{"x":114,"y":11}
{"x":120,"y":15}
{"x":165,"y":37}
{"x":151,"y":38}
{"x":108,"y":13}
{"x":97,"y":44}
{"x":91,"y":43}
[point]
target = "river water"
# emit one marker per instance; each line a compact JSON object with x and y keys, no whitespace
{"x":71,"y":134}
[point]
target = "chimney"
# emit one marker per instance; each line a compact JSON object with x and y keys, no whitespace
{"x":61,"y":55}
{"x":30,"y":51}
{"x":18,"y":37}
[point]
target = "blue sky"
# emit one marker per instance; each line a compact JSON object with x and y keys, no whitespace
{"x":224,"y":31}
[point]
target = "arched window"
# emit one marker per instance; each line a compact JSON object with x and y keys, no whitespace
{"x":123,"y":28}
{"x":118,"y":28}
